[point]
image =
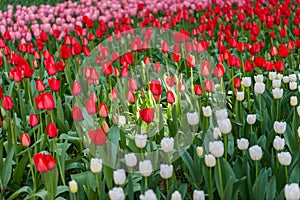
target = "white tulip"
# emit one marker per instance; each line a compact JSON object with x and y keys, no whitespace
{"x":119,"y":176}
{"x":216,"y":148}
{"x":243,"y":144}
{"x":246,"y":81}
{"x":193,"y":118}
{"x":298,"y":110}
{"x":198,"y":195}
{"x":73,"y":186}
{"x":199,"y":151}
{"x":299,"y":132}
{"x":292,"y":191}
{"x":210,"y":160}
{"x":279,"y":127}
{"x":140,"y":140}
{"x":167,"y":144}
{"x":122,"y":120}
{"x":277,"y":93}
{"x":284,"y":158}
{"x":292,"y":77}
{"x":221,"y":114}
{"x":130,"y":160}
{"x":276,"y":83}
{"x":293,"y":101}
{"x":240,"y":96}
{"x":293,"y":85}
{"x":279,"y":76}
{"x":259,"y":78}
{"x":299,"y":76}
{"x":206,"y":111}
{"x":255,"y":152}
{"x":224,"y":125}
{"x":116,"y":193}
{"x":96,"y":165}
{"x":251,"y":119}
{"x":149,"y":195}
{"x":272,"y":75}
{"x":278,"y":143}
{"x":166,"y":171}
{"x":145,"y":168}
{"x":259,"y":88}
{"x":299,"y":88}
{"x":286,"y":79}
{"x":217,"y":133}
{"x":176,"y":196}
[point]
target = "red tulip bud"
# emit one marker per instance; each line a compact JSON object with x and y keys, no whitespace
{"x":103,"y":112}
{"x":77,"y":113}
{"x":76,"y":88}
{"x":98,"y":136}
{"x":33,"y":120}
{"x":54,"y":84}
{"x":25,"y":140}
{"x":44,"y":162}
{"x":51,"y":130}
{"x":147,"y":114}
{"x":170,"y":97}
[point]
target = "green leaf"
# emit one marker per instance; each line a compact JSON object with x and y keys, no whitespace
{"x":26,"y":189}
{"x":20,"y":169}
{"x":271,"y":191}
{"x":130,"y":188}
{"x":259,"y":187}
{"x":7,"y":167}
{"x":61,"y":189}
{"x":43,"y":194}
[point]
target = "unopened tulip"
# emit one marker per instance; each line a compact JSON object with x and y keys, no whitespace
{"x":284,"y":158}
{"x":243,"y":144}
{"x":199,"y":151}
{"x":217,"y":133}
{"x":221,"y":114}
{"x":276,"y":83}
{"x":259,"y":88}
{"x":76,"y":88}
{"x":210,"y":160}
{"x":73,"y":186}
{"x":216,"y":148}
{"x":246,"y":81}
{"x":77,"y":114}
{"x":103,"y":111}
{"x":147,"y":114}
{"x":119,"y":176}
{"x":292,"y":191}
{"x":7,"y":103}
{"x":130,"y":160}
{"x":224,"y":125}
{"x":166,"y":171}
{"x":25,"y":139}
{"x":286,"y":79}
{"x":277,"y":93}
{"x":33,"y":120}
{"x":259,"y":78}
{"x":116,"y":193}
{"x":272,"y":75}
{"x":51,"y":130}
{"x":167,"y":144}
{"x":170,"y":97}
{"x":240,"y":96}
{"x":293,"y":85}
{"x":96,"y":165}
{"x":198,"y":195}
{"x":192,"y":118}
{"x":206,"y":111}
{"x":176,"y":196}
{"x":145,"y":168}
{"x":149,"y":195}
{"x":292,"y":77}
{"x":251,"y":119}
{"x":279,"y":127}
{"x":140,"y":140}
{"x":44,"y":162}
{"x":278,"y":143}
{"x":255,"y":152}
{"x":293,"y":101}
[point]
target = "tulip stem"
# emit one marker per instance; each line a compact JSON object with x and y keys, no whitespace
{"x":260,"y":113}
{"x":211,"y":196}
{"x":29,"y":94}
{"x":58,"y":162}
{"x":286,"y":174}
{"x":167,"y":186}
{"x":277,"y":105}
{"x":31,"y":169}
{"x":225,"y":145}
{"x":192,"y":81}
{"x":256,"y":169}
{"x":75,"y":196}
{"x":98,"y":186}
{"x":221,"y":179}
{"x":13,"y":134}
{"x":248,"y":98}
{"x":146,"y":183}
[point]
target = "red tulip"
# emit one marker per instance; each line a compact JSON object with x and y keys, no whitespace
{"x":107,"y":68}
{"x":25,"y":139}
{"x":1,"y":92}
{"x":240,"y":46}
{"x":156,"y":66}
{"x":54,"y":84}
{"x":114,"y":94}
{"x":273,"y":51}
{"x":65,"y":52}
{"x":39,"y":102}
{"x":248,"y":66}
{"x":259,"y":61}
{"x":156,"y":87}
{"x":190,"y":59}
{"x":269,"y":66}
{"x":44,"y":162}
{"x":176,"y":57}
{"x":103,"y":112}
{"x":90,"y":106}
{"x":128,"y":57}
{"x":182,"y":36}
{"x":208,"y":85}
{"x":97,"y":136}
{"x":51,"y":130}
{"x":198,"y":90}
{"x":130,"y":96}
{"x":124,"y":71}
{"x":170,"y":97}
{"x":279,"y":66}
{"x":147,"y":114}
{"x":147,"y":60}
{"x":77,"y":113}
{"x":132,"y":84}
{"x":283,"y":51}
{"x":7,"y":103}
{"x":76,"y":88}
{"x":170,"y":81}
{"x":219,"y":70}
{"x":48,"y":101}
{"x":33,"y":120}
{"x":205,"y":69}
{"x":237,"y":82}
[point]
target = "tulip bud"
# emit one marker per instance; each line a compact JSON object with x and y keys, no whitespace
{"x":224,"y":125}
{"x":277,"y":93}
{"x":167,"y":144}
{"x":7,"y":103}
{"x":298,"y":110}
{"x":259,"y":88}
{"x":272,"y":75}
{"x":76,"y":88}
{"x":51,"y":130}
{"x":284,"y":158}
{"x":198,"y":195}
{"x":192,"y":118}
{"x":216,"y":148}
{"x":149,"y":195}
{"x":240,"y":96}
{"x":176,"y":196}
{"x":130,"y":160}
{"x":166,"y":171}
{"x":140,"y":140}
{"x":217,"y":133}
{"x":221,"y":114}
{"x":206,"y":111}
{"x":119,"y":176}
{"x":293,"y":101}
{"x":286,"y":79}
{"x":278,"y":143}
{"x":279,"y":76}
{"x":276,"y":83}
{"x":293,"y":85}
{"x":199,"y":151}
{"x":145,"y":168}
{"x":246,"y":81}
{"x":105,"y":127}
{"x":292,"y":191}
{"x":73,"y":186}
{"x":116,"y":194}
{"x":243,"y":144}
{"x":210,"y":160}
{"x":3,"y":113}
{"x":25,"y":140}
{"x":259,"y":78}
{"x":292,"y":78}
{"x":279,"y":127}
{"x":96,"y":165}
{"x":103,"y":111}
{"x":251,"y":119}
{"x":33,"y":120}
{"x":255,"y":152}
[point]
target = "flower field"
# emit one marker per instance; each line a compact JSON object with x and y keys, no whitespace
{"x":150,"y":100}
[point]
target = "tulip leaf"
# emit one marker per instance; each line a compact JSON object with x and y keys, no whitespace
{"x":259,"y":187}
{"x":271,"y":188}
{"x":20,"y":169}
{"x":43,"y":194}
{"x":61,"y":189}
{"x":130,"y":188}
{"x":23,"y":189}
{"x":7,"y":167}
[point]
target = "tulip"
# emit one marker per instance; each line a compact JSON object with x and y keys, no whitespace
{"x":130,"y":160}
{"x":237,"y":82}
{"x":97,"y":136}
{"x":199,"y":151}
{"x":217,"y":133}
{"x":208,"y":85}
{"x":255,"y":152}
{"x":243,"y":144}
{"x":149,"y":195}
{"x":40,"y":85}
{"x":246,"y":81}
{"x":176,"y":196}
{"x":205,"y":70}
{"x":284,"y":158}
{"x":292,"y":78}
{"x":259,"y":78}
{"x":293,"y":101}
{"x":170,"y":97}
{"x":7,"y":103}
{"x":206,"y":111}
{"x":278,"y":143}
{"x":259,"y":87}
{"x":103,"y":111}
{"x":167,"y":144}
{"x":51,"y":130}
{"x":90,"y":106}
{"x":240,"y":96}
{"x":96,"y":165}
{"x":156,"y":87}
{"x":140,"y":140}
{"x":279,"y":127}
{"x":298,"y":132}
{"x":210,"y":160}
{"x":224,"y":125}
{"x":73,"y":186}
{"x":44,"y":162}
{"x":277,"y":93}
{"x":216,"y":148}
{"x":145,"y":168}
{"x":25,"y":139}
{"x":116,"y":193}
{"x":119,"y":176}
{"x":276,"y":83}
{"x":77,"y":114}
{"x":293,"y":85}
{"x":107,"y":68}
{"x":286,"y":79}
{"x":130,"y":96}
{"x":147,"y":114}
{"x":292,"y":191}
{"x":221,"y":114}
{"x":166,"y":171}
{"x":121,"y":120}
{"x":190,"y":60}
{"x":192,"y":118}
{"x":65,"y":52}
{"x":272,"y":75}
{"x":198,"y":195}
{"x":105,"y":127}
{"x":54,"y":84}
{"x":198,"y":90}
{"x":76,"y":88}
{"x":48,"y":101}
{"x":33,"y":120}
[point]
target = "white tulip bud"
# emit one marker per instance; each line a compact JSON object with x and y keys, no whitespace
{"x":149,"y":195}
{"x":299,"y":76}
{"x":130,"y":160}
{"x":198,"y":195}
{"x":293,"y":85}
{"x":278,"y":143}
{"x":255,"y":152}
{"x":216,"y":148}
{"x":286,"y":79}
{"x":246,"y":81}
{"x":166,"y":171}
{"x":140,"y":140}
{"x":299,"y":132}
{"x":240,"y":96}
{"x":176,"y":196}
{"x":217,"y":133}
{"x":276,"y":83}
{"x":145,"y":168}
{"x":284,"y":158}
{"x":206,"y":111}
{"x":259,"y":78}
{"x":73,"y":186}
{"x":224,"y":125}
{"x":292,"y":77}
{"x":292,"y":191}
{"x":167,"y":144}
{"x":119,"y":176}
{"x":279,"y":76}
{"x":298,"y":110}
{"x":96,"y":165}
{"x":192,"y":118}
{"x":293,"y":101}
{"x":279,"y":127}
{"x":221,"y":114}
{"x":259,"y":87}
{"x":277,"y":93}
{"x":210,"y":160}
{"x":243,"y":144}
{"x":199,"y":151}
{"x":272,"y":75}
{"x":251,"y":119}
{"x":116,"y":193}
